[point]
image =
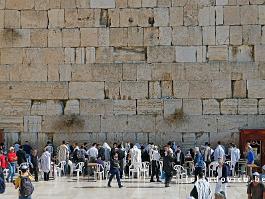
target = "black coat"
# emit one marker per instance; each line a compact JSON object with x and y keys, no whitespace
{"x":168,"y":163}
{"x":182,"y":158}
{"x":21,"y":157}
{"x":225,"y":173}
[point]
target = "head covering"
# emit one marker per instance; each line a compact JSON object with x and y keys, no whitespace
{"x":11,"y":148}
{"x":197,"y":149}
{"x":255,"y":174}
{"x":24,"y":167}
{"x":263,"y":167}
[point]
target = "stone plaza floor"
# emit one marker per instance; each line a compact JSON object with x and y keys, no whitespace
{"x":69,"y":188}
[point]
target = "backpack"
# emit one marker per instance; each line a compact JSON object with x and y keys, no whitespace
{"x":26,"y":188}
{"x":2,"y":185}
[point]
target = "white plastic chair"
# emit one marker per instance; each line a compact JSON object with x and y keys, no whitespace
{"x":212,"y":168}
{"x":60,"y":168}
{"x":135,"y":168}
{"x":6,"y":171}
{"x":204,"y":169}
{"x":79,"y":169}
{"x":99,"y":172}
{"x":180,"y":172}
{"x":145,"y":169}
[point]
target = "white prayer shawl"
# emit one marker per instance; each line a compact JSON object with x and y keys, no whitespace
{"x":136,"y":155}
{"x":235,"y":155}
{"x":62,"y":153}
{"x":107,"y":151}
{"x":219,"y":153}
{"x":203,"y":189}
{"x":45,"y":162}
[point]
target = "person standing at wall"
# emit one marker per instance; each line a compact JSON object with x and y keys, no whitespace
{"x":45,"y":164}
{"x":34,"y":164}
{"x":12,"y":161}
{"x":168,"y":162}
{"x":155,"y":157}
{"x":198,"y":162}
{"x":63,"y":155}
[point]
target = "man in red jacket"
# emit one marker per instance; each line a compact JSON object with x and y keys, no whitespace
{"x":3,"y":162}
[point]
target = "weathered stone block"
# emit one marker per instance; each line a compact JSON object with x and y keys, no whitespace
{"x":222,"y":35}
{"x":124,"y":107}
{"x":165,"y":37}
{"x":53,"y":72}
{"x":15,"y":107}
{"x":231,"y":15}
{"x":147,"y":107}
{"x":247,"y":106}
{"x":149,"y":3}
{"x":102,"y":3}
{"x":219,"y":15}
{"x":21,"y":38}
{"x":23,"y":72}
{"x":71,"y":38}
{"x":96,"y":107}
{"x":11,"y":55}
{"x":229,"y":107}
{"x":135,"y":36}
{"x":32,"y":124}
{"x":208,"y":35}
{"x":171,"y":106}
{"x":49,"y":107}
{"x":69,"y":54}
{"x":87,"y":90}
{"x":68,"y":4}
{"x":89,"y":37}
{"x":43,"y":4}
{"x":104,"y":55}
{"x":206,"y":16}
{"x":259,"y":53}
{"x":38,"y":38}
{"x":56,"y":18}
{"x":160,"y":54}
{"x":161,"y":72}
{"x":11,"y":123}
{"x":217,"y":53}
{"x":129,"y":72}
{"x":141,"y":123}
{"x":200,"y":89}
{"x":261,"y":106}
{"x":4,"y":72}
{"x":19,"y":4}
{"x":34,"y":19}
{"x":55,"y":38}
{"x":129,"y":17}
{"x":249,"y":14}
{"x":256,"y":88}
{"x":134,"y":3}
{"x":181,"y":89}
{"x":161,"y":16}
{"x":221,"y":89}
{"x":192,"y":106}
{"x":115,"y":124}
{"x":182,"y":35}
{"x":112,"y":90}
{"x":251,"y":34}
{"x":134,"y":90}
{"x":211,"y":107}
{"x":186,"y":54}
{"x":154,"y":89}
{"x":151,"y":36}
{"x":176,"y":16}
{"x":90,"y":55}
{"x":221,"y":2}
{"x":262,"y":14}
{"x":241,"y":54}
{"x":240,"y":89}
{"x":167,"y":88}
{"x":119,"y":36}
{"x":12,"y":19}
{"x":121,"y":4}
{"x":236,"y":35}
{"x":146,"y":18}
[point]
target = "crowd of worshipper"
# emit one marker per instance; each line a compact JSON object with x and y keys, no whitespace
{"x":160,"y":163}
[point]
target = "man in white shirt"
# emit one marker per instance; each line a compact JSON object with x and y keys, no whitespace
{"x":235,"y":157}
{"x":155,"y":157}
{"x":219,"y":152}
{"x":93,"y":153}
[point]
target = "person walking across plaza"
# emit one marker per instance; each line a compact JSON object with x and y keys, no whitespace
{"x":222,"y":172}
{"x":23,"y":183}
{"x":34,"y":164}
{"x":202,"y":188}
{"x":168,"y":162}
{"x":115,"y":170}
{"x":12,"y":161}
{"x":155,"y":157}
{"x":198,"y":162}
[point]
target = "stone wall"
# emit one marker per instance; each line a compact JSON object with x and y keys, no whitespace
{"x":139,"y":70}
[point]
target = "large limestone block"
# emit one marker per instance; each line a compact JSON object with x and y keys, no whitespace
{"x":86,"y":90}
{"x":203,"y":71}
{"x":32,"y":124}
{"x":197,"y":123}
{"x":72,"y":107}
{"x":167,"y":88}
{"x":96,"y":107}
{"x":129,"y":54}
{"x":231,"y":123}
{"x":181,"y":89}
{"x":154,"y":89}
{"x":176,"y":16}
{"x":241,"y":54}
{"x":71,"y":38}
{"x":249,"y":14}
{"x":208,"y":33}
{"x":2,"y":18}
{"x":191,"y":13}
{"x":111,"y":124}
{"x":221,"y":89}
{"x":161,"y":71}
{"x":206,"y":16}
{"x":165,"y":37}
{"x":192,"y":106}
{"x":182,"y":35}
{"x":149,"y":107}
{"x":240,"y":89}
{"x":236,"y":37}
{"x":219,"y":10}
{"x":12,"y":19}
{"x":172,"y":106}
{"x":259,"y":51}
{"x":71,"y":124}
{"x":134,"y":90}
{"x":124,"y":107}
{"x":245,"y":71}
{"x":231,"y":15}
{"x":11,"y":123}
{"x":251,"y":34}
{"x":119,"y":36}
{"x":262,"y":14}
{"x":4,"y":72}
{"x":104,"y":55}
{"x":34,"y":19}
{"x":89,"y":37}
{"x":11,"y":55}
{"x":15,"y":107}
{"x":141,"y":123}
{"x":222,"y":35}
{"x":31,"y":90}
{"x":112,"y":90}
{"x":146,"y":18}
{"x":151,"y":36}
{"x":160,"y":54}
{"x":135,"y":36}
{"x":90,"y":55}
{"x":217,"y":53}
{"x":55,"y":38}
{"x":68,"y":4}
{"x":39,"y":38}
{"x":221,"y":2}
{"x":186,"y":53}
{"x":129,"y":72}
{"x":102,"y":3}
{"x":262,"y":107}
{"x":200,"y":89}
{"x":211,"y":107}
{"x":229,"y":107}
{"x":256,"y":88}
{"x":53,"y":72}
{"x":44,"y":4}
{"x":247,"y":106}
{"x":49,"y":107}
{"x":129,"y":17}
{"x":56,"y":18}
{"x":149,"y":3}
{"x":21,"y":38}
{"x":161,"y":17}
{"x":23,"y":72}
{"x":19,"y":4}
